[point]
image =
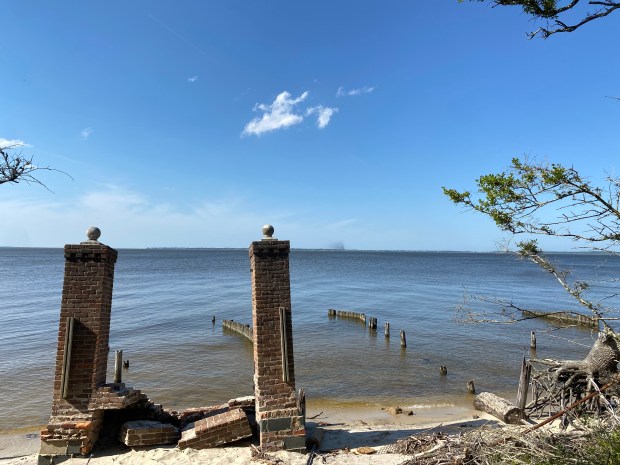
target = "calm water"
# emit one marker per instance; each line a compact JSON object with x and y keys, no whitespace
{"x":164,"y":300}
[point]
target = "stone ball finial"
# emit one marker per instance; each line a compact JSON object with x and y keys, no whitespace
{"x":268,"y":231}
{"x":93,"y":233}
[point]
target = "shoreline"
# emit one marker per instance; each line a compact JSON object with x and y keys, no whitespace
{"x":345,"y":429}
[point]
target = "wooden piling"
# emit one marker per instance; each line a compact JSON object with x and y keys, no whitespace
{"x":387,"y":329}
{"x":443,"y":370}
{"x":403,"y":339}
{"x":238,"y":328}
{"x":118,"y":366}
{"x":213,"y":320}
{"x":533,"y":340}
{"x":348,"y":315}
{"x":331,"y":313}
{"x":372,"y":323}
{"x":524,"y":383}
{"x":470,"y":387}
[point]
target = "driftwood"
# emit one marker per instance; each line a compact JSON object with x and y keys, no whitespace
{"x":563,"y":382}
{"x":564,"y":317}
{"x":498,"y":407}
{"x":602,"y":359}
{"x":524,"y":383}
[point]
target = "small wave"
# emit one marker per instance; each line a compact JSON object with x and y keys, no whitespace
{"x":429,"y":406}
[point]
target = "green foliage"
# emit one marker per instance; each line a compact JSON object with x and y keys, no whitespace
{"x":549,"y":200}
{"x":546,"y":199}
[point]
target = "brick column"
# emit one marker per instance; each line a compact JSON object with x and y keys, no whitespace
{"x":280,"y":418}
{"x":82,"y":354}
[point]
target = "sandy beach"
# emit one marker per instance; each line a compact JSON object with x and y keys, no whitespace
{"x":345,"y":431}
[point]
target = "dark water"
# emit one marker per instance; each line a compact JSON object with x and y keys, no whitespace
{"x":164,"y":300}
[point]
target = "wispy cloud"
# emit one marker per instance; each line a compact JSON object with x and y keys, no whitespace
{"x":183,"y":38}
{"x":86,"y":132}
{"x":353,"y":92}
{"x":129,"y":218}
{"x":12,"y":143}
{"x":277,"y":115}
{"x":192,"y":79}
{"x":324,"y":115}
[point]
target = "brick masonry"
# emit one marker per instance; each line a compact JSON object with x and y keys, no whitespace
{"x":281,"y":423}
{"x":216,"y":430}
{"x":87,"y":298}
{"x":148,"y":433}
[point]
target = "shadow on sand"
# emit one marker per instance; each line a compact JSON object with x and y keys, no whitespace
{"x":376,"y":436}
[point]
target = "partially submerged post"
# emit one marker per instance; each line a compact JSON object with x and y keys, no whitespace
{"x":279,"y":416}
{"x":387,"y":329}
{"x":533,"y":340}
{"x":118,"y":366}
{"x":470,"y":387}
{"x":403,"y":339}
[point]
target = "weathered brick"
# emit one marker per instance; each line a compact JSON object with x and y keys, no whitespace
{"x":276,"y":399}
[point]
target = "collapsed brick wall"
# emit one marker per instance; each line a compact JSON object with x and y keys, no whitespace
{"x":280,"y":421}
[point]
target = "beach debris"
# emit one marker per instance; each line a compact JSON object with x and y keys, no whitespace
{"x":498,"y":407}
{"x":148,"y":433}
{"x":394,"y":410}
{"x":562,"y":382}
{"x":470,"y":387}
{"x":419,"y":447}
{"x":216,"y":430}
{"x":365,"y":450}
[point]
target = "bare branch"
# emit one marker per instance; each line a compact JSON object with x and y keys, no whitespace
{"x":15,"y":168}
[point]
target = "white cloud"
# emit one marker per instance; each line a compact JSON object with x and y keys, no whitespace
{"x":12,"y":143}
{"x":86,"y":132}
{"x":324,"y":114}
{"x":192,"y":79}
{"x":278,"y":115}
{"x":353,"y":92}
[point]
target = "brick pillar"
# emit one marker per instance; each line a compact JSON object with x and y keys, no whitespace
{"x":280,"y":418}
{"x":82,"y":354}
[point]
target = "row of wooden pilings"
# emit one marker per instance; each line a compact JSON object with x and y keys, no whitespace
{"x":371,"y":321}
{"x":239,"y":328}
{"x":246,"y":332}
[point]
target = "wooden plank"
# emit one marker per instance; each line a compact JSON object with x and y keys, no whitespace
{"x":284,"y":345}
{"x":66,"y":358}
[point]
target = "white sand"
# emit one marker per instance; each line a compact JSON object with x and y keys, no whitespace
{"x":345,"y":430}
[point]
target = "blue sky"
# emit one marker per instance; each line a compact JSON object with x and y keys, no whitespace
{"x":194,"y":123}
